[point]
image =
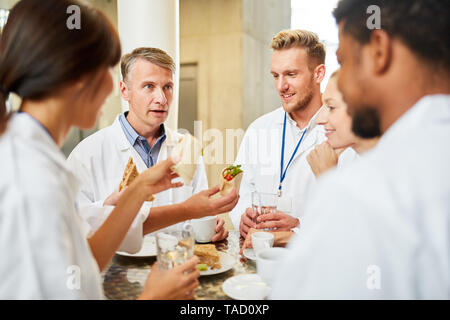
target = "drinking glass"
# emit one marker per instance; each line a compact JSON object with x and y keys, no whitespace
{"x":175,"y":247}
{"x":264,"y":203}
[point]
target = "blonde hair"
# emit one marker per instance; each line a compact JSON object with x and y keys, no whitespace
{"x":153,"y":55}
{"x":287,"y":39}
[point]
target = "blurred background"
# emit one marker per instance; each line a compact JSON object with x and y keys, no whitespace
{"x":221,"y":48}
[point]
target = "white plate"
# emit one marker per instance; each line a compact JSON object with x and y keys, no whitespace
{"x":249,"y":253}
{"x":246,"y":287}
{"x":226,"y":260}
{"x":148,"y":249}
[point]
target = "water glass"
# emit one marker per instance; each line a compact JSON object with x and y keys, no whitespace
{"x":264,"y":203}
{"x":174,"y":247}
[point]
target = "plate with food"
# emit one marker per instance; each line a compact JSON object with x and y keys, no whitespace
{"x":148,"y":249}
{"x":212,"y":261}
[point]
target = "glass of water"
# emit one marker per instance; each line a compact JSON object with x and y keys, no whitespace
{"x":264,"y":203}
{"x":175,"y":247}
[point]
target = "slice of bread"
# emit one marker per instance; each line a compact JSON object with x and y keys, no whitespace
{"x":129,"y":175}
{"x":189,"y":150}
{"x":208,"y":254}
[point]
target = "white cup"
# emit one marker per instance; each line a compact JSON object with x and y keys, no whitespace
{"x":204,"y":228}
{"x":268,"y":263}
{"x":261,"y":241}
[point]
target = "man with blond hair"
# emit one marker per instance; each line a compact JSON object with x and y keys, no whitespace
{"x":274,"y":148}
{"x":100,"y":159}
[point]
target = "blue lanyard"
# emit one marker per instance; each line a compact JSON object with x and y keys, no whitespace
{"x":283,"y":173}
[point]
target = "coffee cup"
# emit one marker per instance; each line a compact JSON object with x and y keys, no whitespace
{"x":204,"y":228}
{"x":261,"y":241}
{"x":268,"y":263}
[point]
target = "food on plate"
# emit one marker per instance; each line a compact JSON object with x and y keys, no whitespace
{"x":230,"y":178}
{"x":188,"y":150}
{"x":208,"y":254}
{"x":202,"y":267}
{"x":129,"y":175}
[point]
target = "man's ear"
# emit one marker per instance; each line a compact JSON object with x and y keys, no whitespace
{"x":380,"y":49}
{"x":319,"y":73}
{"x":124,"y":91}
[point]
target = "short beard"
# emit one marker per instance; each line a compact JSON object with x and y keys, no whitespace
{"x":366,"y":123}
{"x":302,"y":104}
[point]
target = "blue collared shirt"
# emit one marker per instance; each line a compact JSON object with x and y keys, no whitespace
{"x":140,"y":144}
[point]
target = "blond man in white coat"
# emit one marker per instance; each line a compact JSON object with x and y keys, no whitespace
{"x":100,"y":159}
{"x":297,"y":67}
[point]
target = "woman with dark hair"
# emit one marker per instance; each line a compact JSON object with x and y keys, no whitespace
{"x":63,"y":77}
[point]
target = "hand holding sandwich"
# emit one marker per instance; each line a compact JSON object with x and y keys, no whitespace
{"x":202,"y":204}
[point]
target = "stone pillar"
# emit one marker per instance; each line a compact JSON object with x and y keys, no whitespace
{"x":152,"y":23}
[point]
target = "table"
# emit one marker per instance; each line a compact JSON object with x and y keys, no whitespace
{"x":124,"y":277}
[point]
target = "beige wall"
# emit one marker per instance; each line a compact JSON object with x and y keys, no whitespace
{"x":211,"y":36}
{"x":112,"y":106}
{"x":262,"y":19}
{"x":7,"y":4}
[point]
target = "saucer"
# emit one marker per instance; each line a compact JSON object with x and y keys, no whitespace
{"x":148,"y":249}
{"x":246,"y":287}
{"x":249,"y":253}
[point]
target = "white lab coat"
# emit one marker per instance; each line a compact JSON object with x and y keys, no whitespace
{"x":260,"y":157}
{"x":44,"y":254}
{"x":346,"y":158}
{"x":380,"y":228}
{"x":99,"y":162}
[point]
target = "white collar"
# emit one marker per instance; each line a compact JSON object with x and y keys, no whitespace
{"x":124,"y":144}
{"x":427,"y":111}
{"x":280,"y":119}
{"x":33,"y":134}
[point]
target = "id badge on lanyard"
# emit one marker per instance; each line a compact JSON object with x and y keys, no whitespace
{"x":283,"y":173}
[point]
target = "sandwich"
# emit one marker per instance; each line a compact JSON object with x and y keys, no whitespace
{"x":208,"y":255}
{"x":188,"y":150}
{"x":231,"y":177}
{"x":129,"y":175}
